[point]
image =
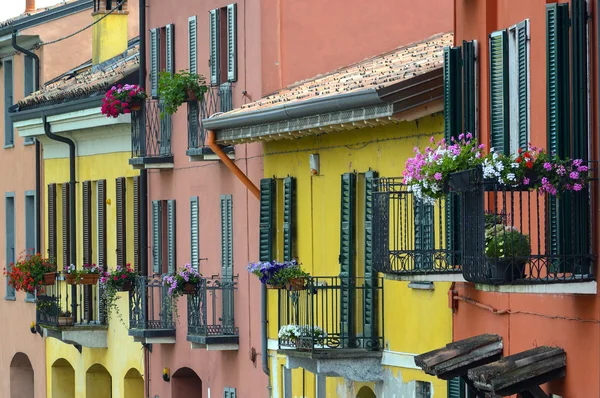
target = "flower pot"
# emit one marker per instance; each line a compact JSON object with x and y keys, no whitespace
{"x":274,"y":286}
{"x":65,"y":321}
{"x":136,"y":106}
{"x":189,"y":288}
{"x":88,"y":279}
{"x":49,"y":278}
{"x":295,"y":284}
{"x":460,"y":181}
{"x":505,"y":269}
{"x":127,"y":287}
{"x":71,"y":279}
{"x":190,"y":95}
{"x":303,"y":343}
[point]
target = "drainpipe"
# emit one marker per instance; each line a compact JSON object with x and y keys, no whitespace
{"x":38,"y":160}
{"x":210,"y":140}
{"x":72,"y":212}
{"x":143,"y":172}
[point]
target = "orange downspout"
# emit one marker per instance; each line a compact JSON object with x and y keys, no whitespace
{"x":210,"y":140}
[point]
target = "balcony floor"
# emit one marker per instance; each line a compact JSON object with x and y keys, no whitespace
{"x":90,"y":336}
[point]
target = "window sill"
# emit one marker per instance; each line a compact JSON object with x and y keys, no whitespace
{"x":27,"y":143}
{"x":8,"y":146}
{"x":30,"y":300}
{"x":10,"y":298}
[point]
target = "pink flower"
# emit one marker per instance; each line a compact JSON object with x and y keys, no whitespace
{"x":577,"y":187}
{"x":548,"y":166}
{"x":438,"y":176}
{"x":116,"y":278}
{"x":574,"y":175}
{"x":526,"y":181}
{"x":123,"y":276}
{"x":432,"y":140}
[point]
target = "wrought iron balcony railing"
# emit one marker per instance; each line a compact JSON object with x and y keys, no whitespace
{"x":64,"y":305}
{"x":211,"y":318}
{"x":515,"y":236}
{"x":332,"y":313}
{"x":151,"y":136}
{"x":150,"y":309}
{"x":218,"y":99}
{"x":411,"y":237}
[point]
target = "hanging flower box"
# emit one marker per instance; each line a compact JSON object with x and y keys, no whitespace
{"x":49,"y":279}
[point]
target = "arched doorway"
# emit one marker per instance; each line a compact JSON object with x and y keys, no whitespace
{"x":63,"y":379}
{"x":365,"y":392}
{"x":134,"y":384}
{"x":98,"y":382}
{"x":185,"y":383}
{"x":21,"y":377}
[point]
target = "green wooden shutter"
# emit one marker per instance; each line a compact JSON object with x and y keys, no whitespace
{"x":424,"y":234}
{"x":170,"y":48}
{"x":86,"y":207}
{"x":523,"y":82}
{"x":157,"y":236}
{"x":499,"y":121}
{"x":121,"y":232}
{"x":267,"y":196}
{"x":171,"y":237}
{"x":66,"y":225}
{"x":193,"y":43}
{"x":579,"y":73}
{"x":215,"y":66}
{"x":347,"y":233}
{"x":194,"y":233}
{"x":370,"y":294}
{"x":456,"y":388}
{"x":101,"y":187}
{"x":226,"y":236}
{"x":452,"y":92}
{"x":470,"y":87}
{"x":136,"y":224}
{"x":232,"y":42}
{"x":289,"y":191}
{"x":52,"y":230}
{"x":154,"y":61}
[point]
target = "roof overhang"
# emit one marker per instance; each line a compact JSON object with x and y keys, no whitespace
{"x":406,"y":100}
{"x":25,"y":41}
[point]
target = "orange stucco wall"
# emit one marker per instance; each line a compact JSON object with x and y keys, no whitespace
{"x":534,"y":319}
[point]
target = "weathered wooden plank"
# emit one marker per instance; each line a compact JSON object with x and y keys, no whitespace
{"x":459,"y":365}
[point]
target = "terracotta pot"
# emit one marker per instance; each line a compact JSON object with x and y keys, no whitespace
{"x":190,"y":95}
{"x":136,"y":106}
{"x":274,"y":286}
{"x":70,"y":278}
{"x":65,"y":321}
{"x":88,"y":279}
{"x":127,"y":287}
{"x":49,"y":278}
{"x":189,"y":288}
{"x":295,"y":284}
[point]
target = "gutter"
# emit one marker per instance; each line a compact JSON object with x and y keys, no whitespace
{"x":58,"y":109}
{"x":72,"y":204}
{"x":311,"y":107}
{"x":38,"y":151}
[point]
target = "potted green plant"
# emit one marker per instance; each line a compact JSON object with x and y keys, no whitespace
{"x":507,"y":251}
{"x":277,"y":275}
{"x":303,"y":337}
{"x":184,"y":282}
{"x":176,"y":88}
{"x":87,"y":275}
{"x":121,"y":279}
{"x":31,"y":272}
{"x":65,"y":318}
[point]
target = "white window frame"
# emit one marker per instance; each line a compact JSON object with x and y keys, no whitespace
{"x":513,"y":87}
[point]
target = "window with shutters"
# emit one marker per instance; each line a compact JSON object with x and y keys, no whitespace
{"x":121,"y":221}
{"x":277,"y":219}
{"x":162,"y":54}
{"x":100,"y":196}
{"x":223,"y":44}
{"x":8,"y":102}
{"x":10,"y":242}
{"x":195,"y":233}
{"x":52,"y":229}
{"x":137,"y":222}
{"x":164,"y":236}
{"x":87,"y":225}
{"x":30,"y":217}
{"x":28,"y":84}
{"x":229,"y":392}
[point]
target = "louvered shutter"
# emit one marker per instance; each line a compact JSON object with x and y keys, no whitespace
{"x":193,"y":44}
{"x":101,"y":186}
{"x":369,"y":292}
{"x":267,"y":191}
{"x":171,"y":237}
{"x":157,"y":236}
{"x":121,"y":222}
{"x":424,"y":234}
{"x":215,"y":67}
{"x":52,"y":238}
{"x":170,"y":48}
{"x":194,"y":233}
{"x":229,"y":392}
{"x":136,"y":224}
{"x":452,"y":92}
{"x":289,"y":193}
{"x":499,"y":122}
{"x":470,"y":87}
{"x":226,"y":236}
{"x":347,"y":233}
{"x":456,"y":388}
{"x":232,"y":42}
{"x":523,"y":82}
{"x":558,"y":114}
{"x":154,"y":60}
{"x":66,"y":226}
{"x":87,"y":221}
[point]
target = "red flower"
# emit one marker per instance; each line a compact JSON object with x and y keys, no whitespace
{"x":529,"y":164}
{"x":519,"y":160}
{"x":116,"y":278}
{"x":123,"y":276}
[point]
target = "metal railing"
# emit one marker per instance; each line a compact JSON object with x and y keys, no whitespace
{"x":333,"y":312}
{"x":150,"y":133}
{"x":515,"y":236}
{"x":150,"y":307}
{"x":211,"y":309}
{"x":54,"y":304}
{"x":410,"y":236}
{"x":218,"y":99}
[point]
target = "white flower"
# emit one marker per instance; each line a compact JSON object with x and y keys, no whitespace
{"x":511,"y":177}
{"x":515,"y":165}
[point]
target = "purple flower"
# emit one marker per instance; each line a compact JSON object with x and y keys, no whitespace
{"x":526,"y":181}
{"x":574,"y":175}
{"x":548,"y":166}
{"x":481,"y":146}
{"x":469,"y":136}
{"x":577,"y":162}
{"x":582,"y":169}
{"x":461,"y":136}
{"x":560,"y":170}
{"x":438,"y":176}
{"x":577,"y":187}
{"x":432,"y":140}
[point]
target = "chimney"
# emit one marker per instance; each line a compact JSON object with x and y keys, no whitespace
{"x":29,"y":6}
{"x":109,"y":37}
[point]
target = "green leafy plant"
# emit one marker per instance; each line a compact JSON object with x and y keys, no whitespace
{"x":115,"y":281}
{"x":502,"y":241}
{"x":275,"y":273}
{"x":174,"y":89}
{"x":27,"y":273}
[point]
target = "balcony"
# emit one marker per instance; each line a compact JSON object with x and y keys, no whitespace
{"x":515,"y":237}
{"x":73,"y":314}
{"x":151,"y":318}
{"x":151,"y":137}
{"x":211,"y":320}
{"x":218,"y":99}
{"x":412,"y":240}
{"x":338,"y":327}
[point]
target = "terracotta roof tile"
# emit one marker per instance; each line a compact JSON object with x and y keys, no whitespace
{"x":377,"y":72}
{"x":85,"y":81}
{"x":12,"y":20}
